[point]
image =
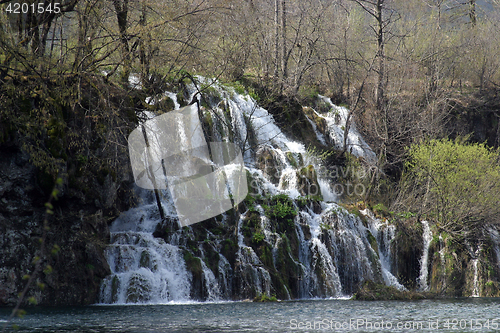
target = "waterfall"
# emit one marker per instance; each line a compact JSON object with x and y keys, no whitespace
{"x":318,"y":250}
{"x":336,"y":118}
{"x":495,"y":238}
{"x":250,"y":269}
{"x":144,"y":269}
{"x":211,"y":283}
{"x":442,"y":257}
{"x":384,"y":234}
{"x":475,"y":261}
{"x":424,"y":261}
{"x":225,"y":277}
{"x":475,"y":281}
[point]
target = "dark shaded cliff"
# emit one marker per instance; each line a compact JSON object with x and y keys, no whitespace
{"x":71,"y":128}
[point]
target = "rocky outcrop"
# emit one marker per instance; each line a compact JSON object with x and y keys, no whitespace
{"x":73,"y":265}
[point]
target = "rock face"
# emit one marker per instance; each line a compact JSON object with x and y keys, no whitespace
{"x":74,"y":264}
{"x":289,"y":239}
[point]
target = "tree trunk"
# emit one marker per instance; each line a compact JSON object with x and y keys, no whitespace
{"x":151,"y":176}
{"x":284,"y":57}
{"x":276,"y":39}
{"x":144,"y":55}
{"x":380,"y":55}
{"x":121,"y":16}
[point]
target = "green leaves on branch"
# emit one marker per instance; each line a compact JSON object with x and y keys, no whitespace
{"x":453,"y":183}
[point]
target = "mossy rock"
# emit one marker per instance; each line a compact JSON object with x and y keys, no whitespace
{"x":181,"y":99}
{"x":139,"y":290}
{"x":290,"y":117}
{"x":269,"y":163}
{"x":265,"y":298}
{"x":491,"y":289}
{"x":452,"y":279}
{"x":321,"y":123}
{"x":308,"y":182}
{"x":372,"y":241}
{"x":281,"y":212}
{"x":291,"y":159}
{"x":145,"y":260}
{"x":193,"y":263}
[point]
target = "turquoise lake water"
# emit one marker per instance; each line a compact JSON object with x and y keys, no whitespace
{"x":450,"y":315}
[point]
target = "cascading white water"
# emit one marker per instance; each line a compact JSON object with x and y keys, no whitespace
{"x":475,"y":261}
{"x":443,"y":259}
{"x":424,"y":261}
{"x":336,"y":118}
{"x":225,"y":276}
{"x":384,"y":234}
{"x":495,"y":238}
{"x":211,"y":283}
{"x":333,"y":253}
{"x":144,"y":269}
{"x":475,"y":281}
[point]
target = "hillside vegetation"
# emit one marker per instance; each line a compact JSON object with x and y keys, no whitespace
{"x":421,"y":80}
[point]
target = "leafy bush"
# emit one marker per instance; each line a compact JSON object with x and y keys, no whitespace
{"x":258,"y":238}
{"x":455,"y":184}
{"x":281,"y":208}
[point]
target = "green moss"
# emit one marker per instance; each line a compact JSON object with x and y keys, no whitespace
{"x":325,"y":226}
{"x":238,"y":87}
{"x":180,"y":99}
{"x":193,"y":263}
{"x":280,"y":209}
{"x":210,"y":96}
{"x":320,"y":122}
{"x":265,"y":298}
{"x":291,"y":159}
{"x":265,"y":254}
{"x":164,"y":105}
{"x":307,"y":200}
{"x":372,"y":241}
{"x":115,"y":285}
{"x":381,"y":210}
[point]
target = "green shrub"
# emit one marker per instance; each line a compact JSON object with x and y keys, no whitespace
{"x":454,"y":184}
{"x":258,"y":238}
{"x":281,"y":209}
{"x":265,"y":298}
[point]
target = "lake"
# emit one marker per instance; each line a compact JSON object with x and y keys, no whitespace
{"x":335,"y":315}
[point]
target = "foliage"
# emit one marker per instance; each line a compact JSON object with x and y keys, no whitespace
{"x":319,"y":155}
{"x":258,"y":238}
{"x":38,"y":260}
{"x":307,"y":199}
{"x":325,"y":226}
{"x":265,"y":298}
{"x":280,"y":207}
{"x":453,"y":183}
{"x":381,"y":210}
{"x":69,"y":126}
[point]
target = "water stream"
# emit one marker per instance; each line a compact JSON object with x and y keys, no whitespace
{"x":327,"y":251}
